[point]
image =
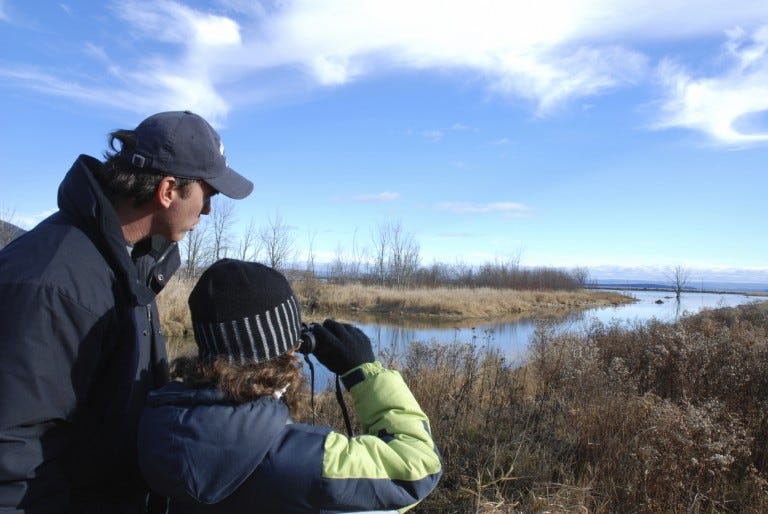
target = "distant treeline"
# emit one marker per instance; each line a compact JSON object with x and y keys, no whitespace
{"x":493,"y":275}
{"x":392,"y":258}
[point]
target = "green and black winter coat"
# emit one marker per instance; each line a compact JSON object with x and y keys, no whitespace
{"x":211,"y":455}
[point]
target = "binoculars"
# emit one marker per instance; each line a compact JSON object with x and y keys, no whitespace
{"x":308,"y":338}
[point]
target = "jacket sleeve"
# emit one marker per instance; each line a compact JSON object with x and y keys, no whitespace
{"x":396,"y":458}
{"x":392,"y":466}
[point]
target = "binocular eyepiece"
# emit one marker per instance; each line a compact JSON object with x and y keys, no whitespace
{"x":308,"y":339}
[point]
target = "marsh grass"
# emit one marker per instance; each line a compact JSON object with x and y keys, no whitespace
{"x":320,"y":300}
{"x":653,"y":417}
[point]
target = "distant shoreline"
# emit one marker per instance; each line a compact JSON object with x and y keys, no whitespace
{"x":619,"y":287}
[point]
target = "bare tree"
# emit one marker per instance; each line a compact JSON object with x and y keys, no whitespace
{"x":403,"y":260}
{"x":311,"y":254}
{"x":581,"y":276}
{"x":463,"y":273}
{"x":278,"y":242}
{"x":396,"y":254}
{"x":356,"y":259}
{"x":514,"y":258}
{"x":222,"y":216}
{"x":679,"y":278}
{"x":338,"y":270}
{"x":380,"y":239}
{"x":195,"y":250}
{"x":249,"y":246}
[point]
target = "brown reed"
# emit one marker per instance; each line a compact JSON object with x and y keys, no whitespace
{"x":652,"y":417}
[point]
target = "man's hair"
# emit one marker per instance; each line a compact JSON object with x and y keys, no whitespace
{"x":120,"y":180}
{"x":246,"y":382}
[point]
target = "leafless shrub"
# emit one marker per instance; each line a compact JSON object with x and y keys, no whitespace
{"x":652,"y":417}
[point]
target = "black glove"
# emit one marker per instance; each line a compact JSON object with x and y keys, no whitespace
{"x":341,"y":347}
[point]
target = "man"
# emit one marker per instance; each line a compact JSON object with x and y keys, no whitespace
{"x":80,"y":339}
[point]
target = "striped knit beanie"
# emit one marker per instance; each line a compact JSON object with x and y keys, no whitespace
{"x":244,"y":311}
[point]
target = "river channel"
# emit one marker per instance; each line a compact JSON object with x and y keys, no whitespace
{"x":512,"y":338}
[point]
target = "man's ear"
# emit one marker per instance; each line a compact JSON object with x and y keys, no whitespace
{"x":165,"y":191}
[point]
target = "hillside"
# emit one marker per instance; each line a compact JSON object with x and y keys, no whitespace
{"x":9,"y":232}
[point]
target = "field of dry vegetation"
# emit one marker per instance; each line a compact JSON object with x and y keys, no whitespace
{"x":653,"y":417}
{"x":321,"y":300}
{"x":650,"y":418}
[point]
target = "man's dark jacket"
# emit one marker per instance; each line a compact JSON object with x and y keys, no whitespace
{"x":80,"y":347}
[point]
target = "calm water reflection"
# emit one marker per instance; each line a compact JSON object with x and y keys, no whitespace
{"x":513,"y":337}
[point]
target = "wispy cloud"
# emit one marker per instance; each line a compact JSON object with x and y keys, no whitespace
{"x":187,"y":76}
{"x":550,"y":53}
{"x":3,"y":15}
{"x":386,"y":196}
{"x":434,"y":136}
{"x":431,"y":135}
{"x":721,"y":105}
{"x":507,"y":209}
{"x":173,"y":22}
{"x":536,"y":51}
{"x":461,"y":127}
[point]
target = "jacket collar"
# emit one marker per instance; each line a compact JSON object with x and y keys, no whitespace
{"x":81,"y":197}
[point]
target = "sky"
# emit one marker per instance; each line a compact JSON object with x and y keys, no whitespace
{"x":625,"y":136}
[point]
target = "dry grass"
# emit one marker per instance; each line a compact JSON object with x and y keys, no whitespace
{"x":320,"y":300}
{"x":452,"y":302}
{"x":650,"y":418}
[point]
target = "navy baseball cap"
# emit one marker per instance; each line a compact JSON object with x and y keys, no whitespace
{"x":182,"y":144}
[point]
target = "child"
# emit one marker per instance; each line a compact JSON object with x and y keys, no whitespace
{"x":223,"y":440}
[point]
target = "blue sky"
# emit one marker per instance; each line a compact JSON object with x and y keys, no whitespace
{"x":626,"y":136}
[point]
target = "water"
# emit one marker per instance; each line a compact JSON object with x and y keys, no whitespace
{"x":512,"y":338}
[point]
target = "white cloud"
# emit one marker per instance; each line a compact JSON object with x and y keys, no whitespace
{"x":537,"y":51}
{"x":161,"y":92}
{"x":508,"y":209}
{"x":461,"y":127}
{"x":720,"y":105}
{"x":549,"y":52}
{"x":386,"y":196}
{"x":434,"y":136}
{"x":187,"y":79}
{"x":173,"y":22}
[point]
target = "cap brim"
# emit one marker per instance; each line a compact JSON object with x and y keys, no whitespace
{"x":231,"y":184}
